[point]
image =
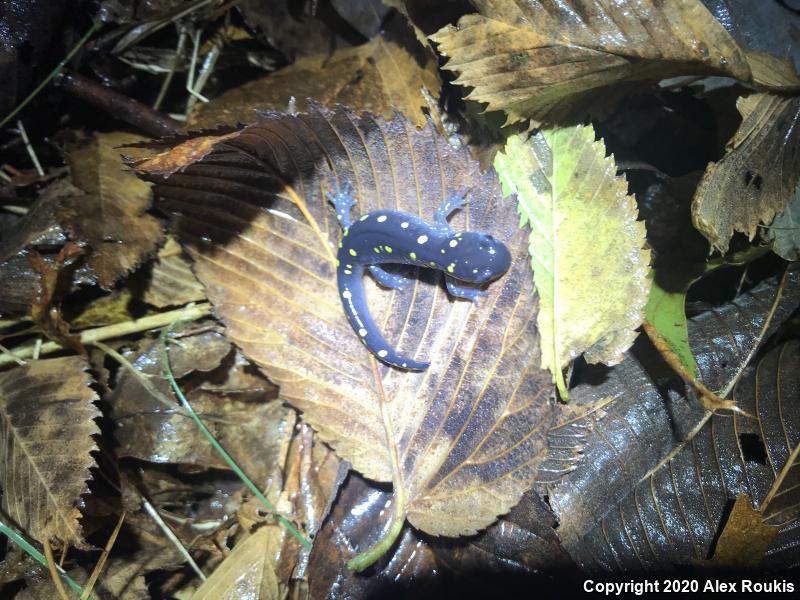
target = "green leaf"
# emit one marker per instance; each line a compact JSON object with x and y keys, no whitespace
{"x":586,"y":245}
{"x":665,"y":310}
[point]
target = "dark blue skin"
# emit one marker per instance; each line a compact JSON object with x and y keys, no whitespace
{"x":389,"y":236}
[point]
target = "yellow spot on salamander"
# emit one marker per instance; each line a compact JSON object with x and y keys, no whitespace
{"x":337,"y":262}
{"x":404,"y":224}
{"x":340,"y":244}
{"x":346,"y":231}
{"x":453,"y":243}
{"x":382,"y":353}
{"x":346,"y":272}
{"x":377,"y":250}
{"x":450,"y":267}
{"x":412,"y":255}
{"x":388,"y":249}
{"x":364,"y":217}
{"x":381,"y":219}
{"x":353,"y":252}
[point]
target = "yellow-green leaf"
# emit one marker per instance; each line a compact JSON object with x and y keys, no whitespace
{"x":586,"y":245}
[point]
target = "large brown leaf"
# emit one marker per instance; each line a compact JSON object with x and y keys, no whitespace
{"x":460,"y":441}
{"x":46,"y":427}
{"x":546,"y":60}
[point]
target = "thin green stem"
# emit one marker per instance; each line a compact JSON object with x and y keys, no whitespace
{"x":212,"y":440}
{"x":38,"y":556}
{"x":53,"y":73}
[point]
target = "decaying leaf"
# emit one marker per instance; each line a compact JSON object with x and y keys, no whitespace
{"x":110,"y":214}
{"x":46,"y":305}
{"x":771,"y":73}
{"x":358,"y":518}
{"x":758,"y":174}
{"x":46,"y":426}
{"x":549,"y":60}
{"x":744,"y":539}
{"x":38,"y":230}
{"x":234,"y":405}
{"x":248,"y":571}
{"x":659,"y":473}
{"x":172,"y":282}
{"x":385,"y":75}
{"x":467,"y":433}
{"x":784,"y":232}
{"x":586,"y":245}
{"x":778,"y":383}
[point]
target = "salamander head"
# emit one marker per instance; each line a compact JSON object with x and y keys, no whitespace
{"x":477,"y":257}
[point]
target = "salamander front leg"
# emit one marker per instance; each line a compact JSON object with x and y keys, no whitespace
{"x":393,"y":281}
{"x":448,"y":207}
{"x":461,"y":291}
{"x":343,"y":200}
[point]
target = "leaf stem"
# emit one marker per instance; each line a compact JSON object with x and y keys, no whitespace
{"x":369,"y":556}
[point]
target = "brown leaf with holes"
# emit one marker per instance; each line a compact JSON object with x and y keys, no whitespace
{"x":110,"y":215}
{"x":757,"y":177}
{"x":46,"y":427}
{"x":468,"y":432}
{"x":385,"y":75}
{"x":546,"y":61}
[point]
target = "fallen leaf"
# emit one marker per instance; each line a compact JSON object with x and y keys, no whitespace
{"x":38,"y":230}
{"x":110,"y":216}
{"x":47,"y":417}
{"x":546,"y":61}
{"x":466,"y":448}
{"x":744,"y":539}
{"x":233,"y":404}
{"x":659,"y":472}
{"x":771,"y":73}
{"x":387,"y":74}
{"x":784,"y":231}
{"x":172,"y":282}
{"x":758,"y":174}
{"x":778,"y":383}
{"x":248,"y":571}
{"x":666,"y":304}
{"x":54,"y":280}
{"x":586,"y":246}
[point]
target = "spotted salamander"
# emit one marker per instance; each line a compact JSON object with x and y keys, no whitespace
{"x":389,"y":236}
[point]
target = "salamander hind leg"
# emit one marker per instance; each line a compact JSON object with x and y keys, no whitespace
{"x":343,"y":200}
{"x":393,"y":281}
{"x":462,"y":291}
